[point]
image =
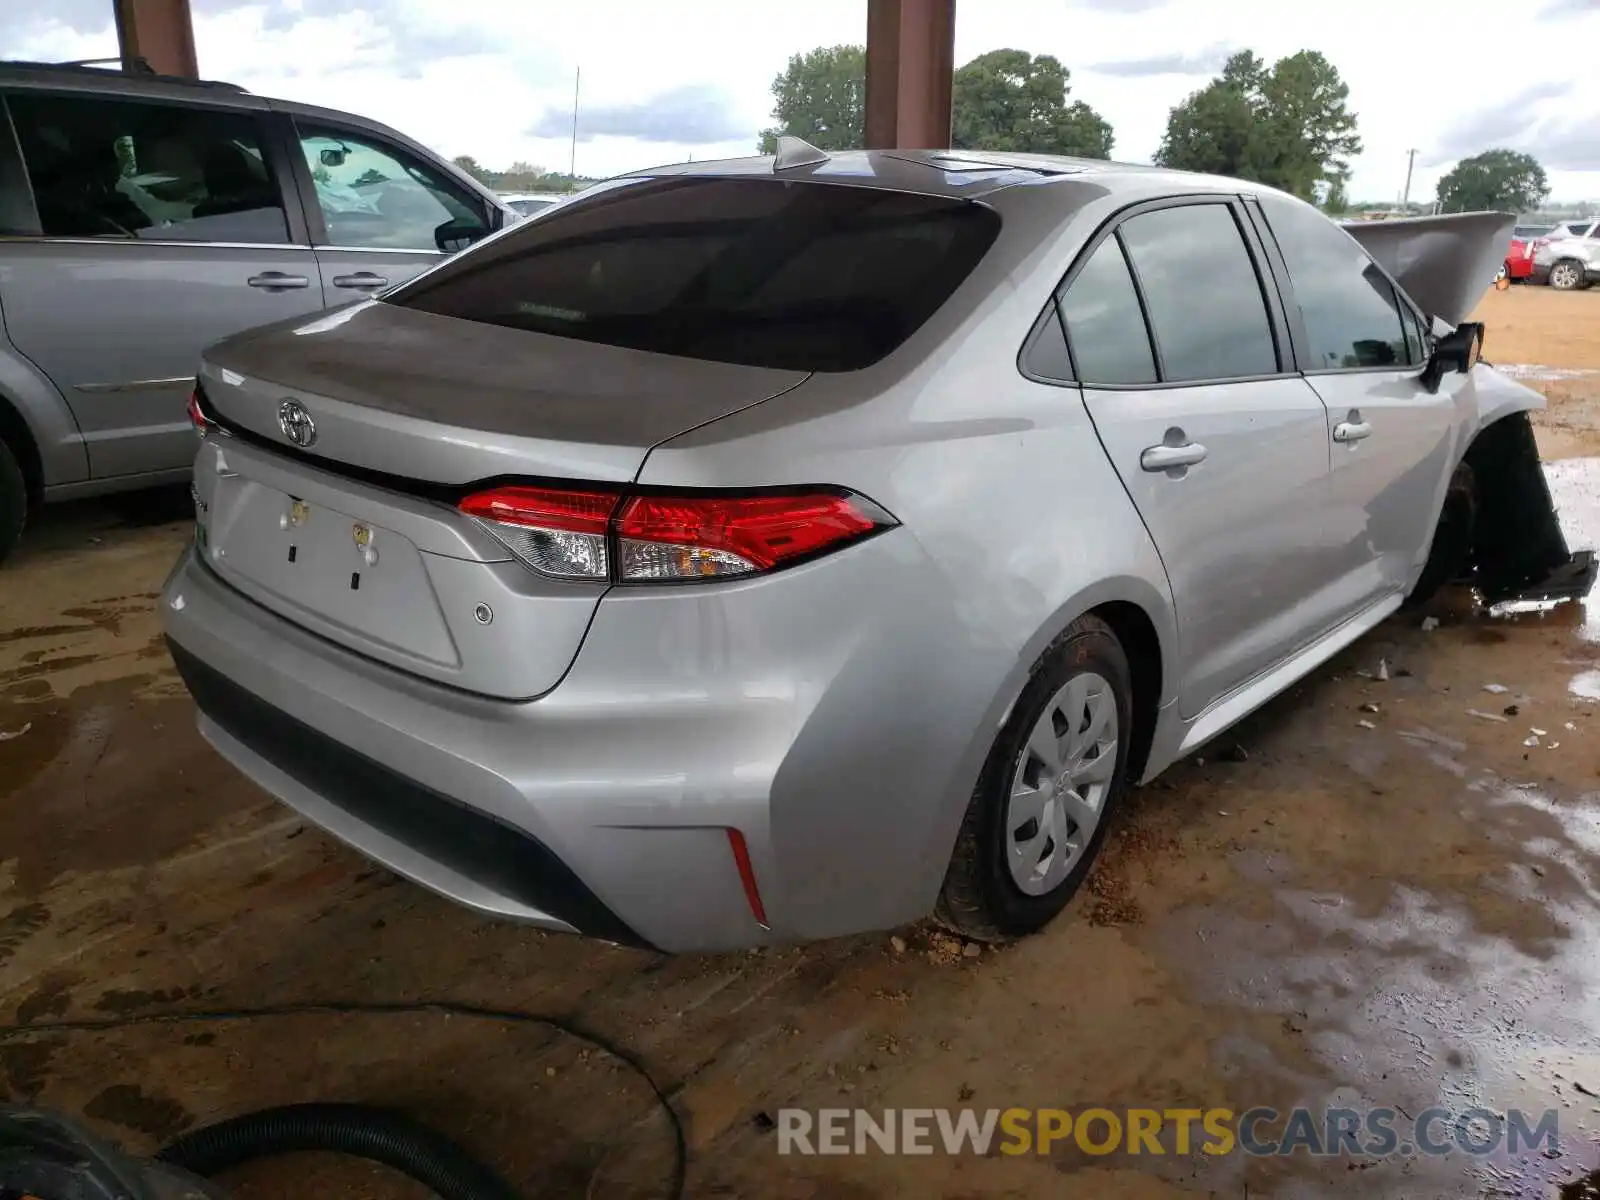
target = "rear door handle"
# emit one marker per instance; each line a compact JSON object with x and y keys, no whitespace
{"x":361,"y":281}
{"x":1168,"y":458}
{"x":1352,"y":431}
{"x":277,"y":281}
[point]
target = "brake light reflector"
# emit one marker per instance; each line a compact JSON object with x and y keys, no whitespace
{"x":551,"y":530}
{"x":691,"y":537}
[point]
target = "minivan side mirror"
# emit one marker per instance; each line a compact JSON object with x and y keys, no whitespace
{"x":1458,"y":350}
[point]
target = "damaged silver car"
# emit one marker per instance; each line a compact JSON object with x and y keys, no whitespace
{"x":787,"y":547}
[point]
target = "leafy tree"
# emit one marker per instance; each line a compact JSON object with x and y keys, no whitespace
{"x":1336,"y":201}
{"x":1494,"y":181}
{"x":821,"y":97}
{"x":1003,"y":100}
{"x":470,"y":165}
{"x":1288,"y":126}
{"x":1010,"y":100}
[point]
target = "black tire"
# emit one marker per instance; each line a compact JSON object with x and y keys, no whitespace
{"x":1568,"y":281}
{"x":980,"y":900}
{"x":1451,"y":550}
{"x":13,"y":501}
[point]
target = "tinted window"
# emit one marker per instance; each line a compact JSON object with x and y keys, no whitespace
{"x":373,"y":197}
{"x":527,"y":207}
{"x":1206,"y":305}
{"x":1579,"y":229}
{"x":1416,"y":343}
{"x":1351,"y":316}
{"x":1046,"y":355}
{"x":811,"y":277}
{"x":122,"y":169}
{"x":1104,"y":322}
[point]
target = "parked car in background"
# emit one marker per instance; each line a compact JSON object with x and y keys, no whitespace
{"x":527,"y":203}
{"x":1519,"y":256}
{"x":1569,"y":257}
{"x":142,"y":218}
{"x":776,"y":549}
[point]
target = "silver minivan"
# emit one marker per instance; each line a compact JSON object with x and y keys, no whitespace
{"x":143,"y":218}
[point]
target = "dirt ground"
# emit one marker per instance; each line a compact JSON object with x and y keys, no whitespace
{"x":1312,"y":912}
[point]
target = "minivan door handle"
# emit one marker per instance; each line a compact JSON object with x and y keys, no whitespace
{"x":1171,"y":458}
{"x":361,"y":281}
{"x":278,"y":281}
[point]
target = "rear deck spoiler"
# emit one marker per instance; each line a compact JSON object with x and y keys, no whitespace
{"x":1444,"y":263}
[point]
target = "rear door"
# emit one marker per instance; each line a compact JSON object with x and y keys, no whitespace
{"x":1391,"y":441}
{"x":161,"y":227}
{"x":1222,"y":448}
{"x":379,"y":213}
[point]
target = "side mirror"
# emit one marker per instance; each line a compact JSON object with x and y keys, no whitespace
{"x":456,"y":235}
{"x":1458,"y":350}
{"x":332,"y":158}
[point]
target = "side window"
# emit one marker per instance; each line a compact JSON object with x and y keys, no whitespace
{"x":374,"y":197}
{"x":1104,"y":322}
{"x":1580,"y":229}
{"x":1351,"y":316}
{"x":1416,"y":340}
{"x":114,"y":168}
{"x":1205,"y":300}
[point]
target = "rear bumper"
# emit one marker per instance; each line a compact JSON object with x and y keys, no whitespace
{"x":802,"y":710}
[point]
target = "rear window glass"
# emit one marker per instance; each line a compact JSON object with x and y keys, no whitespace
{"x":765,"y":272}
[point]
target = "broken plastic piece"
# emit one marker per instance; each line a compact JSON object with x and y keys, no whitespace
{"x":1429,"y":624}
{"x":1499,"y":689}
{"x":1366,"y":724}
{"x":1483,"y":716}
{"x":1530,"y":741}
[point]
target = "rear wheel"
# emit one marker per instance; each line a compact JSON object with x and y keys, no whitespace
{"x":1567,"y":275}
{"x":13,"y":501}
{"x":1041,"y":807}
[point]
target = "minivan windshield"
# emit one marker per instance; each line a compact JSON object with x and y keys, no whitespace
{"x":760,"y":271}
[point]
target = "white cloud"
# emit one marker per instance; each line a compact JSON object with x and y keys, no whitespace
{"x":691,"y":77}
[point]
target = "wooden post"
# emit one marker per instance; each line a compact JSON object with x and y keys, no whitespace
{"x":910,"y":66}
{"x":159,"y":31}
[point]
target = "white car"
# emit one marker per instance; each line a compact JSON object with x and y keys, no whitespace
{"x":1569,"y":258}
{"x":528,"y":203}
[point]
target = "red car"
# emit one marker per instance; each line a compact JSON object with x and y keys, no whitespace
{"x":1519,"y":258}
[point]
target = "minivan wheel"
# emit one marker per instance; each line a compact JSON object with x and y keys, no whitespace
{"x":13,"y":501}
{"x":1567,"y":275}
{"x":1051,"y":781}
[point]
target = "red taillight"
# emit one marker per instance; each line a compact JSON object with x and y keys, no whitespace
{"x":197,"y":415}
{"x":686,"y":537}
{"x":552,"y":530}
{"x":747,"y":877}
{"x":648,"y":539}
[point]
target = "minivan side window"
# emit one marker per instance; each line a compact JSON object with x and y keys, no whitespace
{"x":373,"y":197}
{"x":1352,"y":317}
{"x":127,"y":169}
{"x":1206,"y":305}
{"x":1105,"y":324}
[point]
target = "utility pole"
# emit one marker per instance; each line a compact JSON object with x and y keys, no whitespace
{"x":572,"y":158}
{"x":1411,"y":161}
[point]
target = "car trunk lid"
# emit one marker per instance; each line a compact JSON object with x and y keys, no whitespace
{"x":355,"y":535}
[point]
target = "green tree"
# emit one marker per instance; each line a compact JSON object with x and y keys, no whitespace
{"x":470,"y":165}
{"x":1494,"y":181}
{"x":1336,"y":201}
{"x":821,"y":97}
{"x":1002,"y":100}
{"x":1289,"y":126}
{"x":1011,"y":100}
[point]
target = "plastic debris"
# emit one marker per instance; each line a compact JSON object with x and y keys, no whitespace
{"x":15,"y":733}
{"x":1553,"y":746}
{"x":1536,"y":732}
{"x":1499,"y":689}
{"x":1366,"y":724}
{"x":1530,"y":741}
{"x":1369,"y":706}
{"x":1483,"y":716}
{"x":1429,"y":624}
{"x":1383,"y":670}
{"x":1572,"y":725}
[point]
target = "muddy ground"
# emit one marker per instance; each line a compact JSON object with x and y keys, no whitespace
{"x":1313,"y":912}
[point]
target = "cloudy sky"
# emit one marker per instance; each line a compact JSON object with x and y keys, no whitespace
{"x":666,"y":79}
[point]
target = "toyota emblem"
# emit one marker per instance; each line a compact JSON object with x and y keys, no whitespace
{"x":296,"y":423}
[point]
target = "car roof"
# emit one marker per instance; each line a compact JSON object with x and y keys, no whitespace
{"x":954,"y":173}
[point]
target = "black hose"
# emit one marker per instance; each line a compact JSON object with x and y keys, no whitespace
{"x":359,"y":1130}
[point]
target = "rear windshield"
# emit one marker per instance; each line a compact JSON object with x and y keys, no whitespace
{"x":765,"y":272}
